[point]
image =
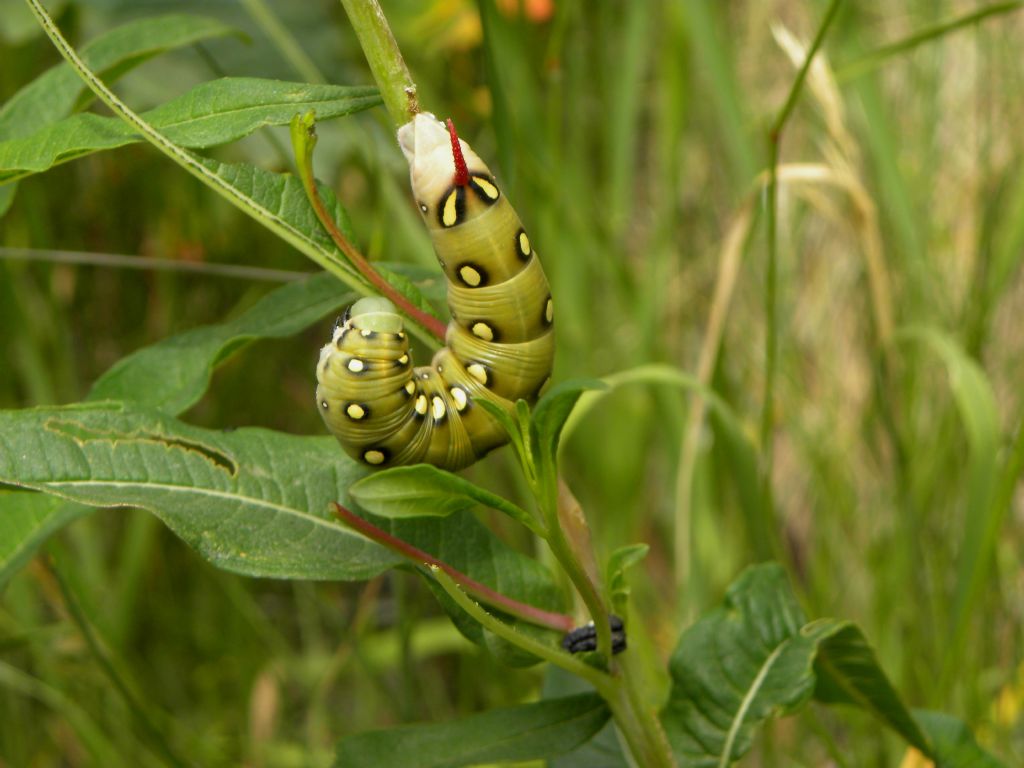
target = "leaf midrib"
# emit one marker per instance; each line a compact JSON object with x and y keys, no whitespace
{"x":748,"y":700}
{"x":235,"y":111}
{"x":321,"y":521}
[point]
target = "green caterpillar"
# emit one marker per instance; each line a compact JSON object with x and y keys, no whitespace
{"x":499,"y":345}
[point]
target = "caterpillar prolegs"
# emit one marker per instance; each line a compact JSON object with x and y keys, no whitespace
{"x":499,"y":345}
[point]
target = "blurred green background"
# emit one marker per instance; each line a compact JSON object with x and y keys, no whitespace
{"x":630,"y":136}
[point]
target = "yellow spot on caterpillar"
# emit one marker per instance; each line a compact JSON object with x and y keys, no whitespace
{"x":450,"y":213}
{"x":485,"y":185}
{"x":549,"y":311}
{"x":410,"y":387}
{"x":483,"y":331}
{"x":355,"y":411}
{"x":374,"y":457}
{"x":460,"y":397}
{"x":524,"y":244}
{"x":478,"y":372}
{"x":405,"y":358}
{"x":421,"y":405}
{"x":356,"y":365}
{"x":437,"y":408}
{"x":470,"y":276}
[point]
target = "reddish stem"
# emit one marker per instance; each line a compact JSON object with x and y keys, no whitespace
{"x":482,"y":592}
{"x":461,"y":178}
{"x":427,"y":320}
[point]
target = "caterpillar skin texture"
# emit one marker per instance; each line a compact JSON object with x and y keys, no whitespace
{"x":499,"y":345}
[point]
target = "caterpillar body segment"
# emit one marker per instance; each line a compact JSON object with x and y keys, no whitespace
{"x":499,"y":344}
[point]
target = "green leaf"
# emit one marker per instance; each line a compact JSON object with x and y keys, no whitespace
{"x":976,"y":403}
{"x":736,"y":667}
{"x":27,"y":519}
{"x":539,"y":731}
{"x":604,"y":750}
{"x":250,"y":501}
{"x":468,"y":546}
{"x":755,"y":658}
{"x":210,"y":114}
{"x":615,"y":574}
{"x":553,"y":409}
{"x":173,"y":374}
{"x":170,"y":376}
{"x":953,"y":743}
{"x":423,"y":490}
{"x":6,"y":197}
{"x":58,"y":92}
{"x":849,"y":673}
{"x":279,"y":197}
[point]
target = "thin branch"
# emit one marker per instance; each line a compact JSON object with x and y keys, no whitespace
{"x":770,"y":308}
{"x":600,"y":680}
{"x":385,"y":59}
{"x":524,"y":611}
{"x":151,"y":264}
{"x":877,"y":57}
{"x":303,"y":133}
{"x":134,"y":705}
{"x":190,"y":162}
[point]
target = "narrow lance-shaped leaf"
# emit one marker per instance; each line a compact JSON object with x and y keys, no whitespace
{"x":213,"y":113}
{"x":173,"y":374}
{"x":26,"y":520}
{"x":539,"y":731}
{"x":170,"y":376}
{"x":250,"y":501}
{"x":976,"y":404}
{"x":426,"y":491}
{"x":59,"y":90}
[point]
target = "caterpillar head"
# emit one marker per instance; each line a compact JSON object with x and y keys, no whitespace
{"x":440,"y":165}
{"x":374,"y":313}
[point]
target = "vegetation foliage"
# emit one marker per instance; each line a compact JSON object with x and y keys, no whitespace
{"x":787,"y":294}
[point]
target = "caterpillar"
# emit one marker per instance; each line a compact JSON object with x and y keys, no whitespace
{"x":499,"y":344}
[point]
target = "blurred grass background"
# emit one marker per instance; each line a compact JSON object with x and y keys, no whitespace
{"x":630,"y":136}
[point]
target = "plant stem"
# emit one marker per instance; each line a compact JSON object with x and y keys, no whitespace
{"x":601,"y":681}
{"x":135,"y":706}
{"x":385,"y":60}
{"x":284,"y":40}
{"x":877,"y":57}
{"x":191,"y":163}
{"x":524,"y":611}
{"x":571,"y":563}
{"x":637,"y":721}
{"x":303,"y":134}
{"x":770,"y":308}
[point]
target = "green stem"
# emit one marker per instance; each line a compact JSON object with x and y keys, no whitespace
{"x":567,"y":558}
{"x":878,"y":56}
{"x":637,"y":720}
{"x":602,"y":682}
{"x":556,"y":621}
{"x":155,"y":736}
{"x":284,"y":40}
{"x":303,"y":133}
{"x":385,"y":60}
{"x":770,"y":308}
